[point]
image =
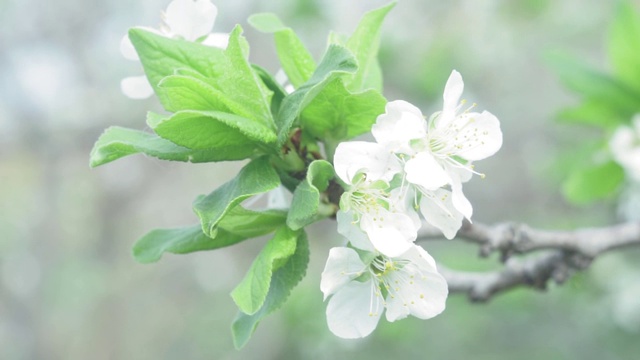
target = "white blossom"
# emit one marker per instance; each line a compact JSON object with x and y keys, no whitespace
{"x":362,"y":286}
{"x":625,"y":147}
{"x":368,"y":202}
{"x":191,"y":20}
{"x":439,"y":151}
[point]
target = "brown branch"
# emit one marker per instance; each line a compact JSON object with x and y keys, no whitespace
{"x":568,"y":251}
{"x":534,"y":272}
{"x":513,"y":238}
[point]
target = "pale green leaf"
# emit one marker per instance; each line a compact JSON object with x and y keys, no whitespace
{"x":236,"y":86}
{"x":282,"y":282}
{"x":294,"y":57}
{"x":255,"y":178}
{"x":365,"y":43}
{"x":161,"y":56}
{"x":117,"y":142}
{"x":593,"y":183}
{"x":337,"y":61}
{"x":594,"y":85}
{"x":624,"y":44}
{"x":252,"y":291}
{"x":306,"y":199}
{"x":180,"y":92}
{"x":238,"y":225}
{"x":592,"y":112}
{"x":272,"y":84}
{"x":208,"y":129}
{"x":336,"y":113}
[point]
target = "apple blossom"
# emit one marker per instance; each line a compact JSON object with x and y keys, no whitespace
{"x":362,"y":285}
{"x":368,"y":202}
{"x":625,"y":147}
{"x":439,"y":151}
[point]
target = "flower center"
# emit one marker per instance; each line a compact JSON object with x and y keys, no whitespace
{"x":366,"y":197}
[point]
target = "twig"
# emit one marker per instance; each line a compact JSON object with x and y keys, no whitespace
{"x":568,"y":251}
{"x":534,"y":272}
{"x":512,"y":238}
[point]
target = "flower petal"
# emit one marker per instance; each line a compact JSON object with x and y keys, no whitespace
{"x":460,"y":202}
{"x":190,"y":19}
{"x":351,"y":230}
{"x":219,"y":40}
{"x":479,"y":136}
{"x":451,"y":96}
{"x":421,"y":291}
{"x":423,"y":170}
{"x":404,"y":201}
{"x":343,"y":265}
{"x":352,"y":312}
{"x":136,"y":87}
{"x":400,"y":123}
{"x":390,"y":233}
{"x":127,"y":50}
{"x":354,"y":156}
{"x":438,"y":210}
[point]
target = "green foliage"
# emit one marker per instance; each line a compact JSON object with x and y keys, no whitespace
{"x":624,"y":44}
{"x":608,"y":100}
{"x":596,"y":87}
{"x":364,"y":43}
{"x":306,"y":203}
{"x":282,"y":282}
{"x":117,"y":142}
{"x":161,"y":56}
{"x":294,"y":57}
{"x":233,"y":85}
{"x":336,"y":61}
{"x":255,"y":178}
{"x":213,"y":129}
{"x":239,"y":224}
{"x":338,"y":114}
{"x":252,"y":291}
{"x":221,"y":108}
{"x":593,"y":183}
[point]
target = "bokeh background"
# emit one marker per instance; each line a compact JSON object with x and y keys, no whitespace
{"x":69,"y":288}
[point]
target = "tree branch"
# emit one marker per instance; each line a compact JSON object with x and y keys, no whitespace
{"x":534,"y":272}
{"x":568,"y":251}
{"x":513,"y":238}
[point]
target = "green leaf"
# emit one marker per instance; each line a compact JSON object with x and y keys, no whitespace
{"x":336,"y":61}
{"x":306,"y":199}
{"x":282,"y":282}
{"x":252,"y":291}
{"x":624,"y":44}
{"x":592,"y":112}
{"x":236,"y":86}
{"x":238,"y":225}
{"x":255,"y":178}
{"x":593,"y":183}
{"x":594,"y":85}
{"x":212,"y":129}
{"x":161,"y":56}
{"x":365,"y":43}
{"x":294,"y":57}
{"x":270,"y":82}
{"x":180,"y":92}
{"x":338,"y":114}
{"x":117,"y":142}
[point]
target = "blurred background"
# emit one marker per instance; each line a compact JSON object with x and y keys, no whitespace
{"x":70,"y":289}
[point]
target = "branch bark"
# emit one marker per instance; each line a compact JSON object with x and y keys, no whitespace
{"x":565,"y":253}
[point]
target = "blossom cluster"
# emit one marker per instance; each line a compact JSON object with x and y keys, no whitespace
{"x":415,"y":167}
